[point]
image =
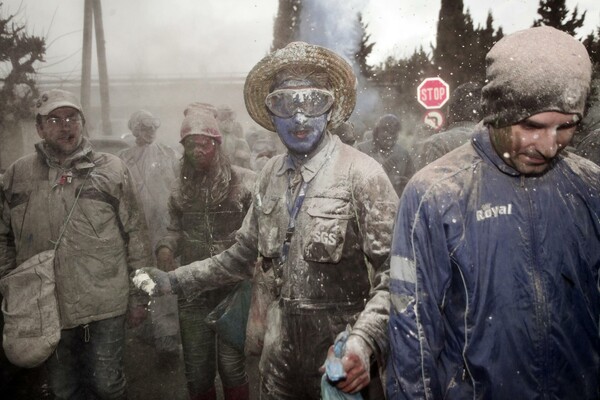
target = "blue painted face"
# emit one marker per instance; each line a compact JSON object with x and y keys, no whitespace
{"x":299,"y":133}
{"x":303,"y":114}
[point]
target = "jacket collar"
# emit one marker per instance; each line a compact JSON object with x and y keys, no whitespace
{"x":80,"y":159}
{"x":483,"y":145}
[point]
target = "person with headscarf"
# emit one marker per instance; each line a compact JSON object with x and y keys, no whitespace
{"x":206,"y":207}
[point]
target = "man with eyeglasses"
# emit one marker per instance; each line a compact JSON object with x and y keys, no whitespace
{"x":321,"y":223}
{"x":67,"y":186}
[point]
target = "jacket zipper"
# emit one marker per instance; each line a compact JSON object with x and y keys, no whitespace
{"x":541,"y":316}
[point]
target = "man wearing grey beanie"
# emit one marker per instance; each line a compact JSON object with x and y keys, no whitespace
{"x":496,"y":249}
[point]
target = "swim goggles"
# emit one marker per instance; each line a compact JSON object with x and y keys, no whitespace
{"x":311,"y":102}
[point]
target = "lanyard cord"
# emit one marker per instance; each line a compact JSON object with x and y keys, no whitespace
{"x":292,"y":223}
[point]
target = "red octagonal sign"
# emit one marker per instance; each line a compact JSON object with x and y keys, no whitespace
{"x":433,"y":93}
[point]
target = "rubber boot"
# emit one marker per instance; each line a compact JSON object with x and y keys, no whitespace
{"x":241,"y":392}
{"x":211,"y":394}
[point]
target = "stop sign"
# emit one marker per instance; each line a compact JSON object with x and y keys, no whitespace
{"x":433,"y":93}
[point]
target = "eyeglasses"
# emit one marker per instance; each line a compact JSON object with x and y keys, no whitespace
{"x":311,"y":102}
{"x":68,"y":121}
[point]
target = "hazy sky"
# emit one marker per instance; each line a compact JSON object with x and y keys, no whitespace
{"x":218,"y":37}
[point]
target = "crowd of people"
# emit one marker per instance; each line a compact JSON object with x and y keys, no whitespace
{"x":464,"y":266}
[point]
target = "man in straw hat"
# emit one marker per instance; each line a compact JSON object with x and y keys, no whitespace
{"x":494,"y":266}
{"x":321,"y":222}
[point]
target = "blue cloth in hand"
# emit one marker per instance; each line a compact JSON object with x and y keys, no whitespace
{"x":334,"y":371}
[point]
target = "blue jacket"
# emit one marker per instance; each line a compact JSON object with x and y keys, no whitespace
{"x":494,"y":280}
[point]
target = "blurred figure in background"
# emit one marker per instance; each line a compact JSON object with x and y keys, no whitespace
{"x":386,"y":150}
{"x":263,"y":146}
{"x":346,"y":133}
{"x":234,"y":144}
{"x":206,"y":208}
{"x":464,"y":111}
{"x":154,"y":168}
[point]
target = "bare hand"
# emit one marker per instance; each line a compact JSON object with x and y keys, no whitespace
{"x":356,"y":365}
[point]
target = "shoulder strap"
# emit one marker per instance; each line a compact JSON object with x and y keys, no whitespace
{"x":64,"y":226}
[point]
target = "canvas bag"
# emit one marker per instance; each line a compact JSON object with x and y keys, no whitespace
{"x":230,"y":316}
{"x":263,"y":294}
{"x":31,"y":314}
{"x":30,"y":306}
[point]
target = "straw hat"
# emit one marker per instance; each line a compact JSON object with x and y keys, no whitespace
{"x":342,"y":80}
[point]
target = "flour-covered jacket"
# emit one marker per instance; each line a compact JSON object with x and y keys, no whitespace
{"x":342,"y":237}
{"x":154,"y":169}
{"x":494,"y":280}
{"x":199,"y":229}
{"x":104,"y":240}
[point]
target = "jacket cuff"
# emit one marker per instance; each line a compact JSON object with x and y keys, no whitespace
{"x":174,"y":281}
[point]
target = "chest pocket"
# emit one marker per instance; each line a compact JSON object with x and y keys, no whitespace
{"x":270,"y":228}
{"x":326,"y":229}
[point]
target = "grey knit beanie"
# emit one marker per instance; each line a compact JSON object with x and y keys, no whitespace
{"x":532,"y":71}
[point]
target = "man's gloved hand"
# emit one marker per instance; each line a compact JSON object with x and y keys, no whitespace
{"x":356,"y":365}
{"x":165,"y":259}
{"x":153,"y":281}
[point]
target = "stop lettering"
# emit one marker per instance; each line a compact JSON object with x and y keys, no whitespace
{"x":433,"y":93}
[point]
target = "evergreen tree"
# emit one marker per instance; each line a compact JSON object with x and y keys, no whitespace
{"x":397,"y":81}
{"x":364,"y":49}
{"x":592,"y":44}
{"x":449,"y":51}
{"x":554,"y":13}
{"x":486,"y":37}
{"x":286,"y":27}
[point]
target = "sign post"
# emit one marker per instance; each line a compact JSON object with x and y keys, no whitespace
{"x":432,"y":94}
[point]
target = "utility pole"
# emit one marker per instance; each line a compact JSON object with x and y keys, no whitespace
{"x":94,"y":8}
{"x":86,"y":61}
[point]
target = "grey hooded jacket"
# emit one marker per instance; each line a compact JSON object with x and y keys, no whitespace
{"x":104,"y":240}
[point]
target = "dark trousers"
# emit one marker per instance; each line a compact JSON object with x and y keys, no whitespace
{"x":295,"y":346}
{"x":204,"y":352}
{"x":88,"y":362}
